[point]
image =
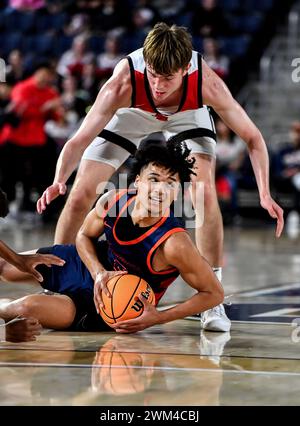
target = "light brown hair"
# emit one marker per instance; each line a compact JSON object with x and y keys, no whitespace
{"x":167,"y":49}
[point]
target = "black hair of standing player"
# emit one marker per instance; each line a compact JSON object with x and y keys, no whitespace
{"x":173,"y":156}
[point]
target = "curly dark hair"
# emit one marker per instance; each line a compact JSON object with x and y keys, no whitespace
{"x":3,"y":204}
{"x":172,"y":155}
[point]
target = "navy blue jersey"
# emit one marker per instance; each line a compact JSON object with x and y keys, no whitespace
{"x":132,"y":248}
{"x":127,"y":247}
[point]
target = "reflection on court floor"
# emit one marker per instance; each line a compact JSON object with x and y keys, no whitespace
{"x":256,"y":363}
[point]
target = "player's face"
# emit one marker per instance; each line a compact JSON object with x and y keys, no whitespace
{"x":157,"y":189}
{"x":163,"y":86}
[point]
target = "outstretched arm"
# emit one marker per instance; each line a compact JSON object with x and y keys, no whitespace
{"x":28,"y":262}
{"x":217,"y":95}
{"x":115,"y":94}
{"x":180,"y":252}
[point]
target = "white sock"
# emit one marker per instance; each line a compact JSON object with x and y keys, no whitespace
{"x":218,"y":272}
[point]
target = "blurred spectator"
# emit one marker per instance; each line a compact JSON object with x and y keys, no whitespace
{"x":113,"y":15}
{"x":140,"y":24}
{"x":76,"y":57}
{"x":7,"y":114}
{"x":141,"y":19}
{"x":34,"y":100}
{"x":79,"y":23}
{"x":208,"y":19}
{"x":72,"y":98}
{"x":230,"y":156}
{"x":15,"y":68}
{"x":148,"y":5}
{"x":219,"y":63}
{"x":26,"y":4}
{"x":169,"y":8}
{"x":91,"y":79}
{"x":111,"y":55}
{"x":286,"y":166}
{"x":60,"y":130}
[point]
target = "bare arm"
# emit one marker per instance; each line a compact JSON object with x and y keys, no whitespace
{"x":28,"y":262}
{"x":90,"y":231}
{"x":217,"y":95}
{"x":115,"y":94}
{"x":180,"y":252}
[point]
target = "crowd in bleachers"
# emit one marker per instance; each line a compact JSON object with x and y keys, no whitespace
{"x":65,"y":50}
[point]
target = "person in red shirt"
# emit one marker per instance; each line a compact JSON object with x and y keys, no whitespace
{"x":34,"y":101}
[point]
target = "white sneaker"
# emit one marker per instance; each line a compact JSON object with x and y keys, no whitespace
{"x":215,"y":319}
{"x":212,"y":345}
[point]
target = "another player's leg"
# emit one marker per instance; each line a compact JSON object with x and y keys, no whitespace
{"x":55,"y":311}
{"x":209,"y":226}
{"x":209,"y":232}
{"x":90,"y":181}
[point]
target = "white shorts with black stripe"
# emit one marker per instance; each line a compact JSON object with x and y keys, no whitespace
{"x":132,"y":125}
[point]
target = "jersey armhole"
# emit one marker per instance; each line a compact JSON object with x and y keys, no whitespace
{"x":132,"y":77}
{"x":112,"y":202}
{"x":156,"y":246}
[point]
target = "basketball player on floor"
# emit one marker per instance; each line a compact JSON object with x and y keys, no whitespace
{"x":142,"y":237}
{"x":162,"y":87}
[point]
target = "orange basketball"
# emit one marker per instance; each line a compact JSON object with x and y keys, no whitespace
{"x":121,"y":372}
{"x":124,"y":305}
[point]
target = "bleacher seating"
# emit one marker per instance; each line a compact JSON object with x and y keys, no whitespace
{"x":33,"y":31}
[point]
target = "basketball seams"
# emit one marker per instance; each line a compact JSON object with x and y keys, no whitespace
{"x":111,"y":307}
{"x":107,"y":316}
{"x":112,"y":298}
{"x":130,"y":371}
{"x":120,"y":295}
{"x":133,"y":294}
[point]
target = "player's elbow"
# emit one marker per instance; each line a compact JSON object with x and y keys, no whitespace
{"x":218,"y":295}
{"x":216,"y":298}
{"x":79,"y":239}
{"x":254,"y":139}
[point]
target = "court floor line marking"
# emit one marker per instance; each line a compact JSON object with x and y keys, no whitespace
{"x":248,"y":322}
{"x":266,"y":358}
{"x":268,"y":290}
{"x":183,"y":369}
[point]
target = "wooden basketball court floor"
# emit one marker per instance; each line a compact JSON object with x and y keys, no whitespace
{"x":257,"y":363}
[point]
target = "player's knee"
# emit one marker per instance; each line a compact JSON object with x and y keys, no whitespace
{"x":81,"y":198}
{"x":203,"y":193}
{"x":26,"y":307}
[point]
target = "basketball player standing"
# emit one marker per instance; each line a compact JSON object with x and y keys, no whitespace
{"x":165,"y":86}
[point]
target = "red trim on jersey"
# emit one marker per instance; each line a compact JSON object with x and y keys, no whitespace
{"x":142,"y":237}
{"x":156,"y":245}
{"x":114,"y":201}
{"x":141,"y":98}
{"x":190,"y":94}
